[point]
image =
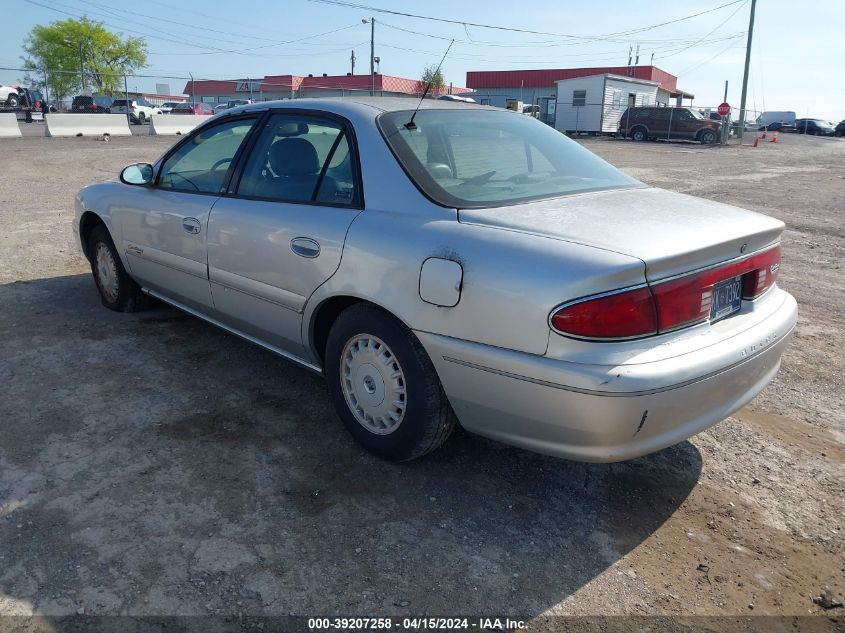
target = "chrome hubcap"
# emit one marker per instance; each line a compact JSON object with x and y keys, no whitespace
{"x":107,"y":273}
{"x":373,"y":384}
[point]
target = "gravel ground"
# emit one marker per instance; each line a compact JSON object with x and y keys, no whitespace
{"x":151,"y":464}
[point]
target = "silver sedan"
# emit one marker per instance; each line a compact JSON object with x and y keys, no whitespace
{"x":455,"y":263}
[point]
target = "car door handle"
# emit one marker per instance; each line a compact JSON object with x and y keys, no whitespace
{"x":191,"y":225}
{"x":305,"y":247}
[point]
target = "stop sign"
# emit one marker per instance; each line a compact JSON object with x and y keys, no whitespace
{"x":724,"y":109}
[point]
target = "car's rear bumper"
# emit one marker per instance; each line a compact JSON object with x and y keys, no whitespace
{"x":539,"y":403}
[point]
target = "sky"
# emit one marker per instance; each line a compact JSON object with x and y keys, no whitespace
{"x":796,"y":61}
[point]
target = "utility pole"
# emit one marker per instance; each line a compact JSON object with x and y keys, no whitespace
{"x":745,"y":74}
{"x":725,"y":99}
{"x":372,"y":56}
{"x":352,"y":59}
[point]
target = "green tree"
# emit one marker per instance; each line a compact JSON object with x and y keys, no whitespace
{"x":79,"y":55}
{"x":433,"y":75}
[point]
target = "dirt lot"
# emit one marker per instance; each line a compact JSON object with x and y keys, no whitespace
{"x":152,"y":464}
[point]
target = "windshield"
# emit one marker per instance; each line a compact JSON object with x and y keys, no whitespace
{"x":478,"y":158}
{"x":696,"y":114}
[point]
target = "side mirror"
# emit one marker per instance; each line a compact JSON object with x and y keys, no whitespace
{"x":137,"y":174}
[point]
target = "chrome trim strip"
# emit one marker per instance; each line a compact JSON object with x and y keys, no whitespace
{"x":168,"y":260}
{"x":272,"y":348}
{"x":258,"y":289}
{"x":616,"y":394}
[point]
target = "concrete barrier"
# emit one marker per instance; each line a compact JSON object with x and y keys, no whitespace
{"x":9,"y":125}
{"x":86,"y":125}
{"x":176,"y":123}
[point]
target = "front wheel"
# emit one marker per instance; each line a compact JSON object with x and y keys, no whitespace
{"x":12,"y":101}
{"x":707,"y":137}
{"x":384,"y":386}
{"x":142,"y":118}
{"x":118,"y":291}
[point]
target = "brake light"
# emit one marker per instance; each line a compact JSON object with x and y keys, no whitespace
{"x":627,"y":314}
{"x":664,"y":306}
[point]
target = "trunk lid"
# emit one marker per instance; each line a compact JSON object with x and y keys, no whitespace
{"x":671,"y":233}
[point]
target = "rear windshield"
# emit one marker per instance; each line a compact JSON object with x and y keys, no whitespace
{"x":477,"y":158}
{"x":119,"y":102}
{"x":83,"y":100}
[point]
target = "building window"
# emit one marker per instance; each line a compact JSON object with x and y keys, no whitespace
{"x":617,"y":98}
{"x":579,"y":97}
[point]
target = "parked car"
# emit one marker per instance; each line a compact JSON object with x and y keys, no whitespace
{"x":86,"y":104}
{"x":192,"y":108}
{"x":443,"y":262}
{"x":167,"y":106}
{"x":457,"y":98}
{"x":778,"y":126}
{"x":234,"y":103}
{"x":650,"y":123}
{"x":817,"y":127}
{"x":839,"y":130}
{"x":220,"y":107}
{"x":139,"y":110}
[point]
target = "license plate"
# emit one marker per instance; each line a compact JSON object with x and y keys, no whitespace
{"x":727,"y":298}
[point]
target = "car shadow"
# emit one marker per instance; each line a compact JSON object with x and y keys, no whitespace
{"x":155,"y":465}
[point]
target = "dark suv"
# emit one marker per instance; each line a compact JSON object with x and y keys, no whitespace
{"x":655,"y":122}
{"x":90,"y":105}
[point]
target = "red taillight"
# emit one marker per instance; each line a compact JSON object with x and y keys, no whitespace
{"x":625,"y":314}
{"x":664,"y":306}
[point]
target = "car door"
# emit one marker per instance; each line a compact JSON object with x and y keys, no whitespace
{"x":684,"y":124}
{"x":279,"y":232}
{"x":658,"y":122}
{"x":164,"y":226}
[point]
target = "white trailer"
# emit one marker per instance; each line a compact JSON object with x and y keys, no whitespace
{"x":596,"y":103}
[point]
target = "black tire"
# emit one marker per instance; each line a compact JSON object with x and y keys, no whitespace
{"x":125,"y":295}
{"x":13,"y":101}
{"x":639,"y":134}
{"x":142,"y":118}
{"x":427,"y":420}
{"x":707,"y":137}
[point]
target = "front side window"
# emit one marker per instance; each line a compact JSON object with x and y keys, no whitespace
{"x":301,"y":158}
{"x":579,"y":97}
{"x":201,"y":163}
{"x":485,"y":158}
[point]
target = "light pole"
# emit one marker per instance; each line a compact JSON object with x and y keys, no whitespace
{"x":372,"y":22}
{"x":81,"y":63}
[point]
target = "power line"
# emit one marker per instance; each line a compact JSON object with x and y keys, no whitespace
{"x":354,"y":5}
{"x":720,"y":25}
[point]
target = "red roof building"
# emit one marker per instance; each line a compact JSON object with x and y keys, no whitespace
{"x":295,"y":86}
{"x":530,"y":85}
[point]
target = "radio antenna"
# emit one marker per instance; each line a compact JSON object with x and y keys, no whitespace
{"x":410,"y":124}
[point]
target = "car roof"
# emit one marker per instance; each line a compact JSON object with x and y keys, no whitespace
{"x":375,"y":105}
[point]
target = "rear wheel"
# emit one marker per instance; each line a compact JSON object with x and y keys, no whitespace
{"x":142,"y":118}
{"x":384,"y":386}
{"x":639,"y":134}
{"x":118,"y":291}
{"x":707,"y":137}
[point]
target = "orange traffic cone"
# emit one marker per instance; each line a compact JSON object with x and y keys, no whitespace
{"x":764,"y":133}
{"x":755,"y":141}
{"x":775,"y":138}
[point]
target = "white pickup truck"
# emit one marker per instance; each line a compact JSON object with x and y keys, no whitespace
{"x":9,"y":96}
{"x":139,"y":110}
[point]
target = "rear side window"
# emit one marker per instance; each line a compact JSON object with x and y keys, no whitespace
{"x":476,"y":158}
{"x":301,"y":158}
{"x":201,"y":163}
